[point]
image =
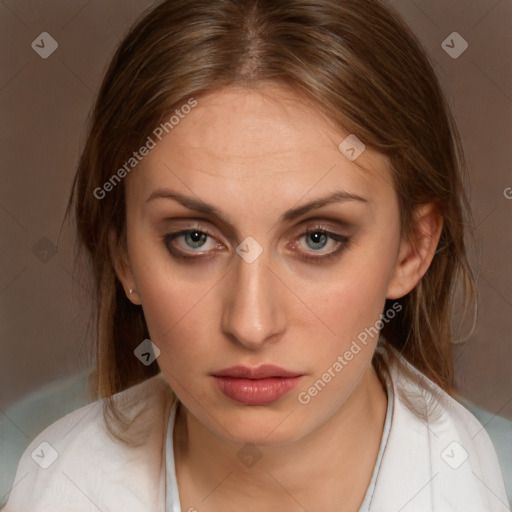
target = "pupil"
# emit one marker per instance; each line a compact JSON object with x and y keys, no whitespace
{"x":196,"y":238}
{"x":318,"y":239}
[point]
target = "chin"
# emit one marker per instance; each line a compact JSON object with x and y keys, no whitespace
{"x":260,"y":426}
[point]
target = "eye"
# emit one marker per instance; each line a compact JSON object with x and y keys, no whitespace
{"x":319,"y":240}
{"x":197,"y":240}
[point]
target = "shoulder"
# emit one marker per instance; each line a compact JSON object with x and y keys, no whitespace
{"x":499,"y":429}
{"x":77,"y":462}
{"x":438,"y":456}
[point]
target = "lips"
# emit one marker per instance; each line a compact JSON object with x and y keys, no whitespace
{"x":261,"y":372}
{"x":255,"y":385}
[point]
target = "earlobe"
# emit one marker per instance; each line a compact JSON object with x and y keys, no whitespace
{"x":122,"y":268}
{"x":416,"y":251}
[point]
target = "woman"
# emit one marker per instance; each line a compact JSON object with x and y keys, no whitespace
{"x":271,"y":203}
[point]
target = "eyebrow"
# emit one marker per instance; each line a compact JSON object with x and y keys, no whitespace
{"x":198,"y":205}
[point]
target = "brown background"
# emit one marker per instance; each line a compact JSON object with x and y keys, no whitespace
{"x":44,"y":105}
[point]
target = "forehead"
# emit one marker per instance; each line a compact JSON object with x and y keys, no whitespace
{"x":261,"y":138}
{"x":238,"y":123}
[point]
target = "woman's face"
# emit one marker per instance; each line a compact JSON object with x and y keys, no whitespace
{"x":253,"y":240}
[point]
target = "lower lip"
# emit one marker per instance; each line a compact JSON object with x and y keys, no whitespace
{"x":256,"y":391}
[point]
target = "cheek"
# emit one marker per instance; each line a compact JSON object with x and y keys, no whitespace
{"x":352,"y":299}
{"x":351,"y":306}
{"x":176,"y":312}
{"x":180,"y":314}
{"x":179,"y":328}
{"x":168,"y":292}
{"x":352,"y":310}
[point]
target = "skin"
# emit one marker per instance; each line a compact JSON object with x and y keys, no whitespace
{"x":254,"y":154}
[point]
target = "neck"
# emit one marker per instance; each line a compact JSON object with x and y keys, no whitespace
{"x":331,"y":465}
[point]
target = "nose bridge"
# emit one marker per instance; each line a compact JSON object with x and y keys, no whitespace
{"x":252,"y":312}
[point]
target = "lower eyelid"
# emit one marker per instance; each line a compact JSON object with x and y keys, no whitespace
{"x":342,"y":242}
{"x":325,"y":256}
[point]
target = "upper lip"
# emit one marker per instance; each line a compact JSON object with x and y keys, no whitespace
{"x":260,"y":372}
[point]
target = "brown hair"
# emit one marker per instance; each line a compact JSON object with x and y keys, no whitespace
{"x":357,"y":62}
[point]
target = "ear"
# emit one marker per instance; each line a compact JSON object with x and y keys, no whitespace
{"x":119,"y":257}
{"x":416,"y":251}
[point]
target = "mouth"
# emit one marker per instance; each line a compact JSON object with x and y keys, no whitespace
{"x":256,"y":386}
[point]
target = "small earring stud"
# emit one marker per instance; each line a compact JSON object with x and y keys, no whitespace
{"x":131,"y":291}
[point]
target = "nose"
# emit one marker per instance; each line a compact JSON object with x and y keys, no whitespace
{"x":253,"y":312}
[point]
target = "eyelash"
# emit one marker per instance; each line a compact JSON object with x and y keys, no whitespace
{"x":342,"y":240}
